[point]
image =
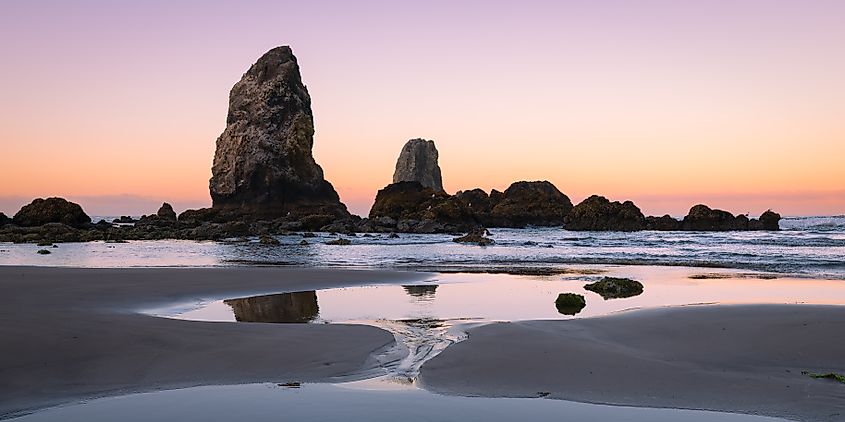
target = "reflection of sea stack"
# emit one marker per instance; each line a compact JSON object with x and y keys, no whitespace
{"x":421,"y":291}
{"x":418,"y":163}
{"x":287,"y":307}
{"x":263,"y":164}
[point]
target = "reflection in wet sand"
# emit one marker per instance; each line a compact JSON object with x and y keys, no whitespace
{"x":421,"y":291}
{"x":280,"y":308}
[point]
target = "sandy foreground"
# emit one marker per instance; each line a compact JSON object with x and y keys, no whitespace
{"x":71,"y":334}
{"x":745,"y":359}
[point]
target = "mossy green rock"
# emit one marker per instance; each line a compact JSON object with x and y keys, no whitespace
{"x":570,"y":303}
{"x":615,"y":288}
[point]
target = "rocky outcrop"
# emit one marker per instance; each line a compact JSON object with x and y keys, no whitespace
{"x":418,"y":163}
{"x":769,"y":220}
{"x":263,"y":166}
{"x":615,"y":288}
{"x":165,"y":212}
{"x":664,"y":223}
{"x":597,"y":213}
{"x":413,"y":207}
{"x":51,"y":210}
{"x":522,"y":204}
{"x":4,"y":219}
{"x":528,"y":203}
{"x":164,"y":217}
{"x":703,"y":218}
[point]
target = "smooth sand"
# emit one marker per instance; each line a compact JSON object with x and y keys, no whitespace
{"x":744,"y":359}
{"x":70,"y":334}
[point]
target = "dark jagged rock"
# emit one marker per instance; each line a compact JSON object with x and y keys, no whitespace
{"x":597,"y":213}
{"x":570,"y":303}
{"x":529,"y":203}
{"x":415,"y":207}
{"x":615,"y":288}
{"x":263,"y":165}
{"x":769,"y":220}
{"x":165,"y":212}
{"x":703,"y":218}
{"x":124,"y":219}
{"x":418,"y":163}
{"x":4,"y":219}
{"x":665,"y":223}
{"x":51,"y":210}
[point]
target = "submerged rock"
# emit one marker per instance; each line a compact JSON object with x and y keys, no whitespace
{"x":269,"y":240}
{"x":263,"y":164}
{"x":615,"y":288}
{"x":418,"y":163}
{"x":51,"y":210}
{"x":477,"y":237}
{"x":597,"y":213}
{"x":339,"y":241}
{"x":570,"y":303}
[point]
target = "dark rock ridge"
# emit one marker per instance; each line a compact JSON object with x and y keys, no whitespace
{"x":703,"y":218}
{"x":263,"y":166}
{"x":597,"y":213}
{"x":410,"y":206}
{"x":418,"y":163}
{"x":51,"y":210}
{"x":4,"y":219}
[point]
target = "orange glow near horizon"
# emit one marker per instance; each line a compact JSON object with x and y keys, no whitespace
{"x":667,"y":106}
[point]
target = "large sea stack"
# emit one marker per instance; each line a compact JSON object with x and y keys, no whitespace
{"x":418,"y":163}
{"x":263,"y":166}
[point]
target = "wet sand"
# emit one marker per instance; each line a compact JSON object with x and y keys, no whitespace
{"x":735,"y":358}
{"x":71,"y":334}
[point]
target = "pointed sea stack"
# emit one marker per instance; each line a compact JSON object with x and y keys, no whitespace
{"x":263,"y":165}
{"x":418,"y":163}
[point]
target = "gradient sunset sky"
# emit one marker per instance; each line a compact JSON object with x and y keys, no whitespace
{"x":737,"y":104}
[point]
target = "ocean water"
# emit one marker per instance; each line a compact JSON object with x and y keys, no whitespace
{"x":805,"y":247}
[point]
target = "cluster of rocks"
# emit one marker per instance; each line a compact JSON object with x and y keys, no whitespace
{"x":266,"y":182}
{"x":410,"y":206}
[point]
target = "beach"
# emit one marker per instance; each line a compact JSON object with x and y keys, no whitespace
{"x":73,"y":334}
{"x":80,"y":334}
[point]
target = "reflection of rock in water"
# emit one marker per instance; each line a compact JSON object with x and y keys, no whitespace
{"x":286,"y":307}
{"x":421,"y":291}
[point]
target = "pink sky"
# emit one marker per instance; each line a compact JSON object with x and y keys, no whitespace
{"x":738,"y":104}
